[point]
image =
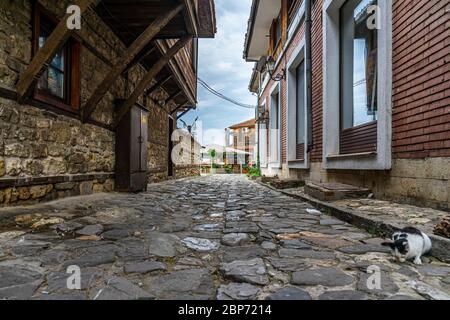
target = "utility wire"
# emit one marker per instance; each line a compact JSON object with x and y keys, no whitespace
{"x":220,"y":95}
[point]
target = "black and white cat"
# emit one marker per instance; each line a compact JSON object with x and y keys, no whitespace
{"x":408,"y":244}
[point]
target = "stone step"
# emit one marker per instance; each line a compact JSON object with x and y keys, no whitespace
{"x":286,"y":183}
{"x":335,"y":191}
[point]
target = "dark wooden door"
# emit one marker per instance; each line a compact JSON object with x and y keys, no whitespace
{"x":169,"y":158}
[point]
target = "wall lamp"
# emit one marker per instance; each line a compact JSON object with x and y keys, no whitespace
{"x":270,"y":66}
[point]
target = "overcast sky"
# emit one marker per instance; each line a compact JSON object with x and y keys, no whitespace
{"x":221,"y":65}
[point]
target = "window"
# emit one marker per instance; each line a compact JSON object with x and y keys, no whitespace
{"x":276,"y":31}
{"x":358,"y":65}
{"x":300,"y":125}
{"x":274,"y":132}
{"x":59,"y":84}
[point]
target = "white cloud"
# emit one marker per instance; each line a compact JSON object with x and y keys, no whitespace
{"x":214,"y":136}
{"x":221,"y":65}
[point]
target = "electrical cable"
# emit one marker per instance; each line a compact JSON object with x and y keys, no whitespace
{"x":222,"y":96}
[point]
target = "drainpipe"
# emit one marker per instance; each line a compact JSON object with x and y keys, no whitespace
{"x":308,"y":71}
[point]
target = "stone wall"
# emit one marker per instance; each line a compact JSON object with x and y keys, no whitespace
{"x":47,"y":153}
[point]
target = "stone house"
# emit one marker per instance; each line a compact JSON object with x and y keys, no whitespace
{"x":356,"y":92}
{"x":66,"y":94}
{"x":242,"y":136}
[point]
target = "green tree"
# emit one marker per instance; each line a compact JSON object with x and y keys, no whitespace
{"x":212,"y":155}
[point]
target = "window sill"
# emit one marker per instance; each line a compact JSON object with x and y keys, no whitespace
{"x":352,"y":155}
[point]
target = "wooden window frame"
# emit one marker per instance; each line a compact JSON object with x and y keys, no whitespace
{"x":72,"y":49}
{"x":362,"y":138}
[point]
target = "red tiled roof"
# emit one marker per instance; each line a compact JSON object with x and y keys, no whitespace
{"x":248,"y":123}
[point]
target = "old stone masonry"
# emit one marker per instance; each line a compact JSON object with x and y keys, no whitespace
{"x":215,"y":237}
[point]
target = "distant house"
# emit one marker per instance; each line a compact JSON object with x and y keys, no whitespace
{"x":242,"y":136}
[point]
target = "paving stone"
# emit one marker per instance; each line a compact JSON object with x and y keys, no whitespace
{"x":288,"y":264}
{"x":209,"y":227}
{"x":330,"y":222}
{"x":29,"y":248}
{"x":343,"y":295}
{"x":144,"y":267}
{"x":235,"y":239}
{"x":331,"y":277}
{"x":163,"y":244}
{"x":364,"y":248}
{"x":290,"y":293}
{"x":269,"y":245}
{"x":309,"y":254}
{"x":241,"y":227}
{"x":387,"y":285}
{"x":185,"y":284}
{"x":428,"y":291}
{"x":121,"y":289}
{"x":295,"y":244}
{"x":92,"y":260}
{"x":66,"y":227}
{"x":400,"y":297}
{"x":71,"y":296}
{"x":116,"y":234}
{"x":57,"y":281}
{"x":251,"y":271}
{"x":91,"y":230}
{"x":201,"y":245}
{"x":243,"y":253}
{"x":237,"y":291}
{"x":234,"y":215}
{"x":434,"y":271}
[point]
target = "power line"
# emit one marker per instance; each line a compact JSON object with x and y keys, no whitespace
{"x":222,"y":96}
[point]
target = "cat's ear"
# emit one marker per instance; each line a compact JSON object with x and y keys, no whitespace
{"x":389,"y":244}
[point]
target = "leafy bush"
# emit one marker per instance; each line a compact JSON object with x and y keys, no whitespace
{"x":215,"y":166}
{"x":254,"y":172}
{"x":229,"y":168}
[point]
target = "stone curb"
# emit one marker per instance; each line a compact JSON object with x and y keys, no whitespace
{"x":441,"y":245}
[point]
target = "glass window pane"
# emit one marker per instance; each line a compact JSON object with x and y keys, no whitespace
{"x":359,"y":64}
{"x":55,"y":82}
{"x":52,"y":80}
{"x":301,"y":103}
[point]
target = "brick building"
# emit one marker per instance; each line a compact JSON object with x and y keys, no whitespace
{"x":360,"y":94}
{"x":78,"y":107}
{"x":242,"y":136}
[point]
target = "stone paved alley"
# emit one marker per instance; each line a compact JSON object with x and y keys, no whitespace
{"x":215,"y":237}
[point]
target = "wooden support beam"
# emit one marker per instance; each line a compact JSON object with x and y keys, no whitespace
{"x":183,"y":114}
{"x":157,"y":85}
{"x":148,"y":78}
{"x":152,"y":30}
{"x":177,"y":108}
{"x":138,"y":59}
{"x":172,"y":97}
{"x":43,"y":57}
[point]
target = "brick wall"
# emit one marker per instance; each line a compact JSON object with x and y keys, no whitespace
{"x":421,"y":79}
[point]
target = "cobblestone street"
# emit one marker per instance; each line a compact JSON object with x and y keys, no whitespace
{"x":214,"y":237}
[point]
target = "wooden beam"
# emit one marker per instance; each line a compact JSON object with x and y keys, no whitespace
{"x":138,"y":59}
{"x":157,"y":85}
{"x":152,"y":30}
{"x":172,"y":97}
{"x":183,"y":114}
{"x":148,"y":78}
{"x":177,"y":108}
{"x":43,"y":57}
